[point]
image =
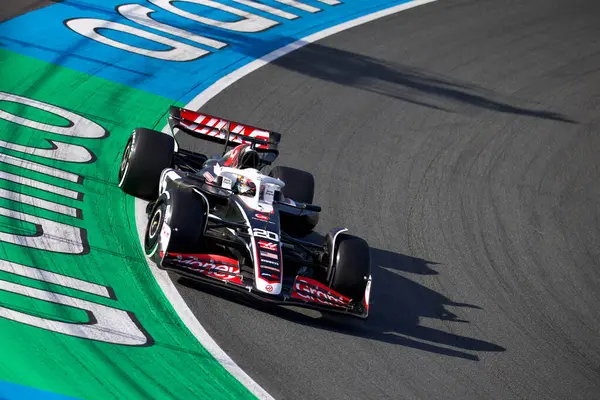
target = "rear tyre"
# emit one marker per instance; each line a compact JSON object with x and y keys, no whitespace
{"x":187,"y":221}
{"x":351,"y":266}
{"x":300,"y":187}
{"x":146,"y":155}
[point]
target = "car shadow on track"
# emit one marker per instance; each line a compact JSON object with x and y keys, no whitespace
{"x":407,"y":83}
{"x":398,"y":81}
{"x":397,"y":306}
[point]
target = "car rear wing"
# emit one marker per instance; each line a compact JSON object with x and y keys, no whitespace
{"x":220,"y":130}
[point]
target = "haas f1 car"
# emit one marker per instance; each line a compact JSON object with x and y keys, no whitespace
{"x":222,"y":221}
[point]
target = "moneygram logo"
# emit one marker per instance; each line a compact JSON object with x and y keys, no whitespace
{"x":206,"y":266}
{"x":314,"y":291}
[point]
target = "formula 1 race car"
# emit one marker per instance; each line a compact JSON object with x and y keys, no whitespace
{"x":222,"y":221}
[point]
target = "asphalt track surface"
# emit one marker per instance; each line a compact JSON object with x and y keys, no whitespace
{"x":461,"y":140}
{"x":13,"y":8}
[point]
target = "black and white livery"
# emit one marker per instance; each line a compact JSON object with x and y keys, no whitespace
{"x":223,"y":221}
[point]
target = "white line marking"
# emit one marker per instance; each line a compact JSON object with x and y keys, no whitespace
{"x":21,"y":180}
{"x":165,"y":283}
{"x":37,"y":202}
{"x":51,"y":277}
{"x":300,"y":6}
{"x":41,"y":168}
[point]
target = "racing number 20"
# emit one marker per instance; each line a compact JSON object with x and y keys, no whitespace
{"x":261,"y":233}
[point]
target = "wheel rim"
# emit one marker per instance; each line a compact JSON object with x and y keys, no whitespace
{"x":155,"y":224}
{"x":124,"y":163}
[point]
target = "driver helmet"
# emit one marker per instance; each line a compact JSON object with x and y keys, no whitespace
{"x":245,"y":187}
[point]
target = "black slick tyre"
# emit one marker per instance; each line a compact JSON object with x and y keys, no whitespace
{"x":351,"y":266}
{"x":300,"y":187}
{"x":185,"y":212}
{"x":146,"y":155}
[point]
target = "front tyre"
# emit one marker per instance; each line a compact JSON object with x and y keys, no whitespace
{"x":351,"y":266}
{"x":146,"y":155}
{"x":184,"y":212}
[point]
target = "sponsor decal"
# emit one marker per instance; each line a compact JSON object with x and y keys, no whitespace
{"x":270,"y":268}
{"x":226,"y":183}
{"x":267,"y":220}
{"x":289,"y":201}
{"x":233,"y":155}
{"x":367,"y":294}
{"x":215,"y":266}
{"x":262,"y":260}
{"x":313,"y":291}
{"x":268,"y":245}
{"x":165,"y":235}
{"x":213,"y":126}
{"x":269,"y":193}
{"x":208,"y":176}
{"x":262,"y":217}
{"x":261,"y":233}
{"x":270,"y":255}
{"x":166,"y":232}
